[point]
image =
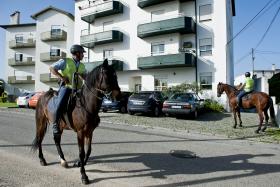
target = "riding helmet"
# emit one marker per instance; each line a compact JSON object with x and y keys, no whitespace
{"x":247,"y":74}
{"x":77,"y":49}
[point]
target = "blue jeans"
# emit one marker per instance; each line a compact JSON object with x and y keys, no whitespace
{"x":239,"y":97}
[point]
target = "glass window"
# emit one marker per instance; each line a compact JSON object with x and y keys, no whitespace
{"x":205,"y":46}
{"x":54,"y":51}
{"x":18,"y":57}
{"x":157,"y":49}
{"x":56,"y":30}
{"x":108,"y":53}
{"x":160,"y":83}
{"x":206,"y":80}
{"x":19,"y":38}
{"x":205,"y":12}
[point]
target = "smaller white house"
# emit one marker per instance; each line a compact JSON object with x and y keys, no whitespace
{"x":261,"y":78}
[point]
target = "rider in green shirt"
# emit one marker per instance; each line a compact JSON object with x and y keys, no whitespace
{"x":246,"y":87}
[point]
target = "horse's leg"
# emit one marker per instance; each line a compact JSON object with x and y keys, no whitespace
{"x":266,"y":120}
{"x":260,"y":112}
{"x":239,"y":117}
{"x":81,"y":139}
{"x":235,"y":120}
{"x":88,"y":143}
{"x":57,"y":140}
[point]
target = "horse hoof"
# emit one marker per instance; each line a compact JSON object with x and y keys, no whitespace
{"x":63,"y":163}
{"x":257,"y":131}
{"x":85,"y":180}
{"x":240,"y":125}
{"x":77,"y":164}
{"x":43,"y":162}
{"x":234,"y":127}
{"x":263,"y":130}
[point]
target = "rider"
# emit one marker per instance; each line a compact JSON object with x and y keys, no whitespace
{"x":245,"y":88}
{"x":65,"y":69}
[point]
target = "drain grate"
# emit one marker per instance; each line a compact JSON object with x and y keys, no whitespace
{"x":183,"y":154}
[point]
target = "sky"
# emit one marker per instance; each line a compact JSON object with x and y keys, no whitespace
{"x":267,"y":53}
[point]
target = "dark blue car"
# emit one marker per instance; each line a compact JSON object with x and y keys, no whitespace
{"x":121,"y":105}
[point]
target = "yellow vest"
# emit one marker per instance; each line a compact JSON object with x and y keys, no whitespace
{"x":249,"y":84}
{"x":70,"y":69}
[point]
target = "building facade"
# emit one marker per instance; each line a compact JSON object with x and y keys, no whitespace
{"x":158,"y":44}
{"x":32,"y":47}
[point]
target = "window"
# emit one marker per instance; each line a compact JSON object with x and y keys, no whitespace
{"x":138,"y":87}
{"x":108,"y":53}
{"x":56,"y":30}
{"x":157,"y":49}
{"x":156,"y":15}
{"x":19,"y":38}
{"x":205,"y":12}
{"x":107,"y":25}
{"x":160,"y":82}
{"x":18,"y":57}
{"x":54,"y":51}
{"x":206,"y":80}
{"x":205,"y":46}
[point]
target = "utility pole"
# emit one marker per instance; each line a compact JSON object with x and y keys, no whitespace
{"x":253,"y":59}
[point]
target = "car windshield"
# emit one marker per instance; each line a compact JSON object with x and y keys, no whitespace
{"x":24,"y":94}
{"x":140,"y":96}
{"x":181,"y":97}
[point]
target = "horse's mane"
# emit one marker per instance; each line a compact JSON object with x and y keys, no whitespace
{"x":235,"y":90}
{"x":92,"y":76}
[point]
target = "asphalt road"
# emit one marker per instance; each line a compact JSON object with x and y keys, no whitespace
{"x":135,"y":156}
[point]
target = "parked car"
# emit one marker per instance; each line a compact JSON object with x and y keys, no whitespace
{"x":121,"y":105}
{"x":183,"y":104}
{"x":22,"y":100}
{"x":32,"y":103}
{"x":149,"y":102}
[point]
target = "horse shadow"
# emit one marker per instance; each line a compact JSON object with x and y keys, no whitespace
{"x":162,"y":165}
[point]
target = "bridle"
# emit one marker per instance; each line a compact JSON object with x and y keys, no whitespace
{"x":103,"y":92}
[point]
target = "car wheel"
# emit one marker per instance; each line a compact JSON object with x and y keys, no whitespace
{"x":104,"y":110}
{"x":156,"y":111}
{"x":123,"y":109}
{"x":194,"y":114}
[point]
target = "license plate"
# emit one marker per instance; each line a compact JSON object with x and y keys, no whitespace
{"x":175,"y":106}
{"x":108,"y":102}
{"x":138,"y":103}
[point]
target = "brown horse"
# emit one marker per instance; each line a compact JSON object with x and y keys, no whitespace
{"x":98,"y":82}
{"x":259,"y":100}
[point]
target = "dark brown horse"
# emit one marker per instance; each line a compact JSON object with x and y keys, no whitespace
{"x":259,"y":100}
{"x":98,"y":82}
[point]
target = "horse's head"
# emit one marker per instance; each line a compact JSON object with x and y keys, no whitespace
{"x":220,"y":89}
{"x":104,"y":79}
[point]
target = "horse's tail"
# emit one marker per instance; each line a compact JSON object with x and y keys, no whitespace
{"x":41,"y":124}
{"x":272,"y":113}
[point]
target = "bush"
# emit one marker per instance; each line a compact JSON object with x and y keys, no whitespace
{"x":213,"y":106}
{"x":184,"y":87}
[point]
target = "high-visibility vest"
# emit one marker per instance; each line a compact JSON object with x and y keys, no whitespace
{"x":70,"y":69}
{"x":249,"y":84}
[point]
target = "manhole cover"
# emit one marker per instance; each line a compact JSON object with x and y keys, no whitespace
{"x":183,"y":154}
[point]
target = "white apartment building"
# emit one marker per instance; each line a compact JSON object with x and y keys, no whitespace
{"x":155,"y":44}
{"x":32,"y":47}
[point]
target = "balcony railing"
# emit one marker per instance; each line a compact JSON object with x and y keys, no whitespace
{"x":146,"y":3}
{"x":117,"y":64}
{"x":51,"y":57}
{"x":90,"y":12}
{"x":54,"y":36}
{"x":92,"y":40}
{"x":20,"y":80}
{"x":48,"y":77}
{"x":178,"y":24}
{"x":27,"y":61}
{"x":28,"y":43}
{"x":167,"y":61}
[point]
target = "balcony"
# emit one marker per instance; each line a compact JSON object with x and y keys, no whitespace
{"x":146,"y":3}
{"x":28,"y":43}
{"x":28,"y":61}
{"x":167,"y":61}
{"x":47,"y":77}
{"x":20,"y":80}
{"x":51,"y":57}
{"x":181,"y":24}
{"x":92,"y":40}
{"x":117,"y":64}
{"x":54,"y":36}
{"x":91,"y":12}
